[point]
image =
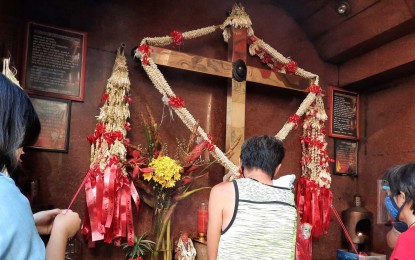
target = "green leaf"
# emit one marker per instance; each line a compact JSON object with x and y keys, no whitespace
{"x":187,"y":194}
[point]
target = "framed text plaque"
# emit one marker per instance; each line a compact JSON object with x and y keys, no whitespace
{"x":54,"y":63}
{"x":345,"y":155}
{"x":54,"y":115}
{"x":344,"y":114}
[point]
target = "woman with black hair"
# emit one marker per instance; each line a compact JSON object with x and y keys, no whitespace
{"x":19,"y":229}
{"x":400,"y":188}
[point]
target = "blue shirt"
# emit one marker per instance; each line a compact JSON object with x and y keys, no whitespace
{"x":19,"y":239}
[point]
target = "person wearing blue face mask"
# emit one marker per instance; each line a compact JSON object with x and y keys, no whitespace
{"x":400,"y":189}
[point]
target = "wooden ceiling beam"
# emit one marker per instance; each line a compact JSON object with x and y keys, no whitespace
{"x":327,"y":17}
{"x":381,"y":64}
{"x":382,"y":23}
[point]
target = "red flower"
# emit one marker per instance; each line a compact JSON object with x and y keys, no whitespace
{"x":104,"y":97}
{"x":176,"y":102}
{"x":291,"y":67}
{"x":145,"y":60}
{"x":128,"y":99}
{"x":127,"y":126}
{"x":305,"y":140}
{"x":113,"y":160}
{"x":294,"y":119}
{"x":91,"y":139}
{"x":145,"y":49}
{"x":210,"y":144}
{"x":251,"y":39}
{"x":314,"y":89}
{"x":177,"y":37}
{"x":267,"y":59}
{"x":277,"y":66}
{"x":100,"y":128}
{"x":186,"y":179}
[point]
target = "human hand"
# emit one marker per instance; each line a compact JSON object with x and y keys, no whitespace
{"x":67,"y":222}
{"x":44,"y":220}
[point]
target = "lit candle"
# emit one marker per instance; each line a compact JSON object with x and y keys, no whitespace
{"x":202,"y":220}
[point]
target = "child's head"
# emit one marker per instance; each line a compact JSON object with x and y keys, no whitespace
{"x":401,"y":178}
{"x":19,"y":123}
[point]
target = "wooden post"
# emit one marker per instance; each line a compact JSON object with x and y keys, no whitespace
{"x":236,"y":95}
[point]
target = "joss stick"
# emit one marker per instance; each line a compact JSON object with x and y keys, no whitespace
{"x":77,"y":192}
{"x":344,"y":229}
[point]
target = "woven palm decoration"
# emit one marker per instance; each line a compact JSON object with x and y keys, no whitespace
{"x":108,"y":189}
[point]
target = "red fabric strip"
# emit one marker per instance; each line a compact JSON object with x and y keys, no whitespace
{"x":130,"y":225}
{"x":135,"y":196}
{"x":111,"y":196}
{"x":123,"y":212}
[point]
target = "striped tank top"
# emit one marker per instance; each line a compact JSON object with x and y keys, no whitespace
{"x":263,"y":225}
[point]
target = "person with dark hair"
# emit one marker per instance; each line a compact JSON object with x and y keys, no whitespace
{"x":19,"y":237}
{"x":250,"y":218}
{"x":400,"y":188}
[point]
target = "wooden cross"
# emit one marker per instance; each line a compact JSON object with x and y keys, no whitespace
{"x":237,"y":50}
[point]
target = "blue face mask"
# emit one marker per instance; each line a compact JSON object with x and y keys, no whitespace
{"x":392,"y":208}
{"x":394,"y":212}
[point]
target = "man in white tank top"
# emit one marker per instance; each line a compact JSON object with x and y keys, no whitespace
{"x":250,"y":218}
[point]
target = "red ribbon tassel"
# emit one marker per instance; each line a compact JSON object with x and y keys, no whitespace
{"x":116,"y":229}
{"x":313,"y":204}
{"x":109,"y":201}
{"x":326,"y":198}
{"x":129,"y":224}
{"x":135,"y":196}
{"x":315,"y":213}
{"x":123,"y":212}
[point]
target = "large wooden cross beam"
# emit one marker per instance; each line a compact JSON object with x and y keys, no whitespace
{"x":235,"y":116}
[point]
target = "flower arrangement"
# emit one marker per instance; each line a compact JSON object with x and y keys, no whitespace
{"x":163,"y":181}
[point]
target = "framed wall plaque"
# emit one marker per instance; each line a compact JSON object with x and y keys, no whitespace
{"x":54,"y":62}
{"x":345,"y":155}
{"x":344,"y":114}
{"x":54,"y":115}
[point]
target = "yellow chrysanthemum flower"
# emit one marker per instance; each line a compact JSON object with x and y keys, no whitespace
{"x":166,"y":171}
{"x":147,"y":176}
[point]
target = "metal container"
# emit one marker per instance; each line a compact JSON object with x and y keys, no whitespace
{"x":358,"y":222}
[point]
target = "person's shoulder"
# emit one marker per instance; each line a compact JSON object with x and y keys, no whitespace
{"x":6,"y":183}
{"x":222,"y":188}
